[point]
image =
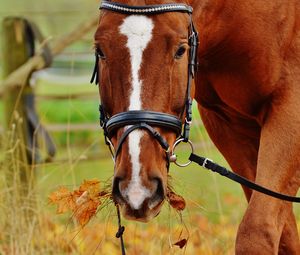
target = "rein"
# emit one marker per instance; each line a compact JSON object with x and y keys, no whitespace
{"x":120,"y":232}
{"x":210,"y":165}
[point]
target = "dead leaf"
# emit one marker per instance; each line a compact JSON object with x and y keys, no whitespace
{"x":83,"y":202}
{"x":64,"y":200}
{"x":176,"y":201}
{"x":181,"y":243}
{"x":91,"y":186}
{"x":86,"y":211}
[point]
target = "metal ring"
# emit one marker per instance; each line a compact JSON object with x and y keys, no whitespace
{"x":177,"y":142}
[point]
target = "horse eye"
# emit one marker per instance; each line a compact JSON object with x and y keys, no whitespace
{"x":180,"y":52}
{"x":100,"y":53}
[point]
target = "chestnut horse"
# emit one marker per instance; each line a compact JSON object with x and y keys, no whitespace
{"x":248,"y":92}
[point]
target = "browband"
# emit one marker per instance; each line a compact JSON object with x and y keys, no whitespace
{"x":146,"y":9}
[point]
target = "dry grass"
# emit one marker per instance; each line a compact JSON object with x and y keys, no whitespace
{"x":27,"y":227}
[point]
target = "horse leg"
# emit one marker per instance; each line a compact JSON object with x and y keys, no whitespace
{"x":289,"y":241}
{"x":278,"y":161}
{"x":241,"y":153}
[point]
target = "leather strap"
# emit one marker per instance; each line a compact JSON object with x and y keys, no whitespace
{"x":151,"y":118}
{"x":210,"y":165}
{"x":120,"y":232}
{"x":163,"y":143}
{"x":95,"y":75}
{"x":146,"y":9}
{"x":151,"y":130}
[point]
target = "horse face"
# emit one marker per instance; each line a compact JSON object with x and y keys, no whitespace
{"x":143,"y":67}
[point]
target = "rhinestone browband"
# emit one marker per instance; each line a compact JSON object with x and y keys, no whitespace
{"x":147,"y":9}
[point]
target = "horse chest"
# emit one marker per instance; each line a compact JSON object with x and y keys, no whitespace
{"x":240,"y":78}
{"x":235,"y":91}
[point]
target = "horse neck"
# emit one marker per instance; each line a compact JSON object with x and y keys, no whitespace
{"x":207,"y":10}
{"x":207,"y":17}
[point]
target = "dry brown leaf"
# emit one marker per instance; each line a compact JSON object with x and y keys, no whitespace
{"x":83,"y":202}
{"x":181,"y":243}
{"x":64,"y":199}
{"x":91,"y":186}
{"x":176,"y":201}
{"x":86,"y":211}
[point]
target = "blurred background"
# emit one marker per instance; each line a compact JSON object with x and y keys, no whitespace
{"x":67,"y":106}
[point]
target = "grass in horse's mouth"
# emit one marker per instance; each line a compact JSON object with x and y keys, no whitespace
{"x":92,"y":196}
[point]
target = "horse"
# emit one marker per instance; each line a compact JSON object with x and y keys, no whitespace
{"x":246,"y":85}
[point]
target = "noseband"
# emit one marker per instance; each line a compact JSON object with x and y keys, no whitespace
{"x":142,"y":119}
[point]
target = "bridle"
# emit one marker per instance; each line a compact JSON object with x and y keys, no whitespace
{"x":143,"y":119}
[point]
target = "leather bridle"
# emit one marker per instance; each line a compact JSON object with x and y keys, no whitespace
{"x":143,"y":119}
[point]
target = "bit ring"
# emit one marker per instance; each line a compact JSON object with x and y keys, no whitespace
{"x":173,"y":157}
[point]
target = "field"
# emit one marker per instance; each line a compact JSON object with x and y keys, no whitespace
{"x":209,"y":220}
{"x":215,"y":206}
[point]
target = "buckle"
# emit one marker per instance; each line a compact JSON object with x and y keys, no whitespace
{"x":205,"y":162}
{"x":189,"y":122}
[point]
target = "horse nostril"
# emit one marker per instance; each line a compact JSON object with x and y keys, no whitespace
{"x":160,"y":188}
{"x":158,"y":195}
{"x":116,"y":190}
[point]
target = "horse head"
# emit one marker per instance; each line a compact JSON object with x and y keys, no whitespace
{"x":142,"y":65}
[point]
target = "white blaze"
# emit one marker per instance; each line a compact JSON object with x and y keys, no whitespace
{"x":138,"y":30}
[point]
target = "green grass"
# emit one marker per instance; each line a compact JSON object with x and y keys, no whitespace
{"x":69,"y":111}
{"x":44,"y":87}
{"x":1,"y":111}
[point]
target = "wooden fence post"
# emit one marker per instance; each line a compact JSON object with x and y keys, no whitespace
{"x":18,"y":47}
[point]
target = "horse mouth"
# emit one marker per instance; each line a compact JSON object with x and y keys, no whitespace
{"x":144,"y":214}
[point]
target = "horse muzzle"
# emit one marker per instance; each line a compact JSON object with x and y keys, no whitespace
{"x":140,"y":202}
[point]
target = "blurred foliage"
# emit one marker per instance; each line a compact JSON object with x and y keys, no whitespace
{"x":54,"y":17}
